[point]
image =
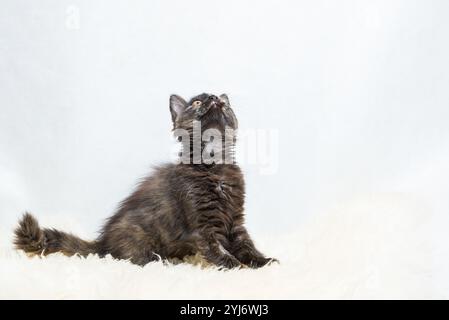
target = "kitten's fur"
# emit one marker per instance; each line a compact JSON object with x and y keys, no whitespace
{"x":178,"y":211}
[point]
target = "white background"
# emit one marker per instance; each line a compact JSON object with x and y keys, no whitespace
{"x":358,"y":91}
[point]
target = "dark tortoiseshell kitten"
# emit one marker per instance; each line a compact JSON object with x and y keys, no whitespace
{"x":193,"y":207}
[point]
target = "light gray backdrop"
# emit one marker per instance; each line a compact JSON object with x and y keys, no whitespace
{"x":357,"y":91}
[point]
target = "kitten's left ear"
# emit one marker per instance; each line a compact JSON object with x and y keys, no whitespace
{"x":225,"y":99}
{"x":177,"y":106}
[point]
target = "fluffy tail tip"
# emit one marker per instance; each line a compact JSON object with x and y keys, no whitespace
{"x":28,"y":235}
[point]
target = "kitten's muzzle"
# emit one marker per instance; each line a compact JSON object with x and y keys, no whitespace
{"x":211,"y":103}
{"x":214,"y":101}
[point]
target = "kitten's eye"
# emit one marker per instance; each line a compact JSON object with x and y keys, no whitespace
{"x":196,"y":103}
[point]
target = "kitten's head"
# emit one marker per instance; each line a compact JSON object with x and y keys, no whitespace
{"x":213,"y":112}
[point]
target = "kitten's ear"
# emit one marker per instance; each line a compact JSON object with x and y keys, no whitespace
{"x":225,"y":99}
{"x":177,"y":106}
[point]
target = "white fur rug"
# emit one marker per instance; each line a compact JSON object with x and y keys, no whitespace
{"x":369,"y":248}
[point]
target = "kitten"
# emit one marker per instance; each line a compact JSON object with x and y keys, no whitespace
{"x":192,"y":207}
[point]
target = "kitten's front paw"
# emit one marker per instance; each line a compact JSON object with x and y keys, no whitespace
{"x":230,"y":262}
{"x":259,"y":262}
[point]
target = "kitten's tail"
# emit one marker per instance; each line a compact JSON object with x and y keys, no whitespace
{"x":30,"y":238}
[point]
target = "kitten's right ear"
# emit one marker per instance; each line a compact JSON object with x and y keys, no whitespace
{"x":177,"y":106}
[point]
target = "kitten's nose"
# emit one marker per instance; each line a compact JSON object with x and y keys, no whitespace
{"x":213,"y":101}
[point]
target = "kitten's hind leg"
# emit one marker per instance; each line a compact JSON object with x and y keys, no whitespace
{"x":244,"y":250}
{"x":142,"y":260}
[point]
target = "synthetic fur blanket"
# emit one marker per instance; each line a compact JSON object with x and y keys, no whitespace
{"x":373,"y":247}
